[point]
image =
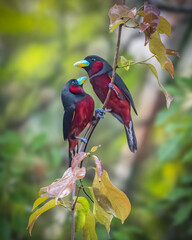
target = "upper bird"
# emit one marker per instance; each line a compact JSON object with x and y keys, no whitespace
{"x":100,"y":74}
{"x":79,"y":108}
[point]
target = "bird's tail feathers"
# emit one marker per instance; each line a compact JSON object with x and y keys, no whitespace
{"x":72,"y":154}
{"x":131,"y":138}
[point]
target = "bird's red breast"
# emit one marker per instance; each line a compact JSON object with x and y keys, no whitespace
{"x":82,"y":116}
{"x":119,"y":106}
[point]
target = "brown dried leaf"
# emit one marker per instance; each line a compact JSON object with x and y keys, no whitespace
{"x":169,"y":98}
{"x":99,"y":166}
{"x":150,"y":20}
{"x":64,"y":185}
{"x":169,"y":66}
{"x":77,"y":159}
{"x":172,"y":52}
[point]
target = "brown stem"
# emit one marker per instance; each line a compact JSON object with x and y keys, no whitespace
{"x":114,"y":66}
{"x":73,"y":213}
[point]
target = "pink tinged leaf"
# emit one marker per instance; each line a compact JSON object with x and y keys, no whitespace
{"x":172,"y":52}
{"x":64,"y":185}
{"x":118,"y":13}
{"x":151,"y":19}
{"x":77,"y":159}
{"x":99,"y":166}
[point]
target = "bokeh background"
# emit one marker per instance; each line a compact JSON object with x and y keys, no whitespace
{"x":39,"y":42}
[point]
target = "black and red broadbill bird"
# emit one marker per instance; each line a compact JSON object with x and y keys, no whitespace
{"x":79,"y":108}
{"x":120,"y":101}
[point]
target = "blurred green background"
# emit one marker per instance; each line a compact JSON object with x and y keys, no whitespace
{"x":39,"y":42}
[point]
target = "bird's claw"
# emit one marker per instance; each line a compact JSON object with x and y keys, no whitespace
{"x":100,"y":112}
{"x":119,"y":95}
{"x":82,"y":139}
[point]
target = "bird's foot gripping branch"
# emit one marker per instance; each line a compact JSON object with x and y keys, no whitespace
{"x":109,"y":201}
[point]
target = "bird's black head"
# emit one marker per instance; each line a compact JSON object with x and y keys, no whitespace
{"x":94,"y":64}
{"x":75,"y":86}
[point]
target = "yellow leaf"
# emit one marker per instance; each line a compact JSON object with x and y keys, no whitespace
{"x":164,"y":27}
{"x":38,"y":202}
{"x":157,"y":47}
{"x":89,"y":227}
{"x":111,"y":199}
{"x":100,"y":215}
{"x":125,"y":63}
{"x":153,"y":69}
{"x":115,"y":25}
{"x":168,"y":97}
{"x":81,"y":210}
{"x":84,"y":203}
{"x":37,"y":213}
{"x":94,"y":149}
{"x":80,"y":217}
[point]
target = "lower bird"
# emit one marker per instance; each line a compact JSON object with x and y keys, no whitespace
{"x":120,"y":101}
{"x":79,"y":108}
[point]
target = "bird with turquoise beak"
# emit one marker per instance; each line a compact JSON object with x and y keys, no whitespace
{"x":79,"y":108}
{"x":120,"y":101}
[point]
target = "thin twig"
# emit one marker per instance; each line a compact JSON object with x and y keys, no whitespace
{"x":73,"y":214}
{"x":114,"y":66}
{"x":134,"y":63}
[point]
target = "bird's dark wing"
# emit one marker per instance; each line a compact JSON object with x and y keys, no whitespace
{"x":67,"y":120}
{"x":121,"y":85}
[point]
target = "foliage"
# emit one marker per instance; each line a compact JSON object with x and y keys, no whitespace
{"x":109,"y":199}
{"x":152,"y":25}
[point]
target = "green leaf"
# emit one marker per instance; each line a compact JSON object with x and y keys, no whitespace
{"x":38,"y":202}
{"x":157,"y":47}
{"x":183,"y":213}
{"x":80,"y":217}
{"x":125,"y":63}
{"x":52,"y":203}
{"x":115,"y":25}
{"x":94,"y":148}
{"x":89,"y":227}
{"x":84,"y":203}
{"x":153,"y":70}
{"x":170,"y":149}
{"x":179,"y":193}
{"x":100,"y":215}
{"x":164,"y":27}
{"x":168,"y":97}
{"x":188,"y":157}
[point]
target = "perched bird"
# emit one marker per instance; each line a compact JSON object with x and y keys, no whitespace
{"x":120,"y":101}
{"x":79,"y":108}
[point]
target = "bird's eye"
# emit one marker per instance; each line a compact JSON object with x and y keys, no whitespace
{"x":93,"y":59}
{"x":73,"y":82}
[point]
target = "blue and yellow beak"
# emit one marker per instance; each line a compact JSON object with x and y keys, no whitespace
{"x":81,"y":80}
{"x":82,"y":63}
